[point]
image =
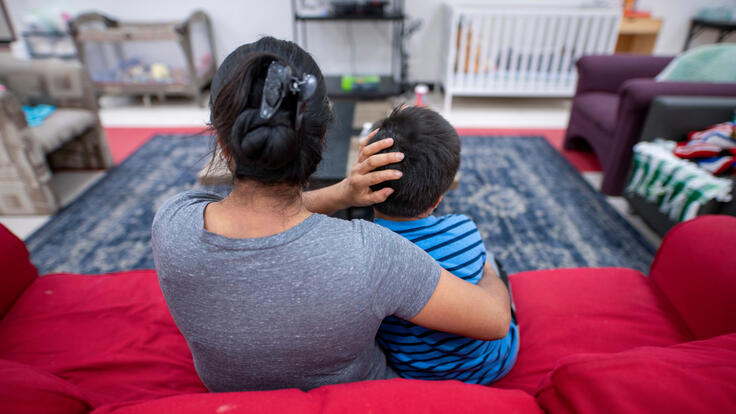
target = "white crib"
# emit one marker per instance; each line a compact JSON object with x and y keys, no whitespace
{"x":500,"y":51}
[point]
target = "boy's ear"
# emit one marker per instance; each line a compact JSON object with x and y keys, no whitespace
{"x":438,"y":202}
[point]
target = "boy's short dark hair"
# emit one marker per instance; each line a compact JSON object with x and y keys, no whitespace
{"x":431,"y":150}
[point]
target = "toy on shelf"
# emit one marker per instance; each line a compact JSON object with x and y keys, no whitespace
{"x":161,"y":59}
{"x":360,"y":83}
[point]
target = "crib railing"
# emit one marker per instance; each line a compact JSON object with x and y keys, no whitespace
{"x":497,"y":51}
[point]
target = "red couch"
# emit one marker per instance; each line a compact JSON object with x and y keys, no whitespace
{"x":592,"y":340}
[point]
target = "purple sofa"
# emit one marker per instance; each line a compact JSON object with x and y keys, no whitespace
{"x":611,"y":103}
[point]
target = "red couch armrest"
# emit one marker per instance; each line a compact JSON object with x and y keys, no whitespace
{"x":16,"y":270}
{"x":606,"y":73}
{"x":695,"y":268}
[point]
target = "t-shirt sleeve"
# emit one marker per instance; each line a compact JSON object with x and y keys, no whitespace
{"x":403,"y":276}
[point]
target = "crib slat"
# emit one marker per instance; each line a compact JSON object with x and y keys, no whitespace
{"x":451,"y":62}
{"x":526,"y":51}
{"x":563,"y":39}
{"x":503,"y":68}
{"x":494,"y":57}
{"x":549,"y":51}
{"x":462,"y":67}
{"x":537,"y":50}
{"x":485,"y":34}
{"x":517,"y":39}
{"x":595,"y":34}
{"x":475,"y":38}
{"x":581,"y":39}
{"x":612,"y":34}
{"x":568,"y":55}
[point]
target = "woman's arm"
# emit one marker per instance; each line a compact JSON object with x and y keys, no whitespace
{"x":355,"y":190}
{"x":479,"y":311}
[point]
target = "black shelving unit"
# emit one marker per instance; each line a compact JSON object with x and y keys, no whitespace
{"x":391,"y":84}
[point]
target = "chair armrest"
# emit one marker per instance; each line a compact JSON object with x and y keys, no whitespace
{"x":17,"y":270}
{"x":61,"y":83}
{"x":11,"y":113}
{"x":636,"y":96}
{"x":695,"y":269}
{"x":673,"y":117}
{"x":606,"y":73}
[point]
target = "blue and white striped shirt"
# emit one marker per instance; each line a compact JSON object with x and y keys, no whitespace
{"x":421,"y":353}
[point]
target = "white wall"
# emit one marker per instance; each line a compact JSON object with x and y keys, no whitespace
{"x":676,"y":16}
{"x":234,"y":22}
{"x":237,"y":22}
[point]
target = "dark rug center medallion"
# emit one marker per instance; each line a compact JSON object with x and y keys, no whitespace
{"x":532,"y":207}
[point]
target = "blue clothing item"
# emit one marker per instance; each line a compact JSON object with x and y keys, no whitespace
{"x":421,"y":353}
{"x":35,"y":115}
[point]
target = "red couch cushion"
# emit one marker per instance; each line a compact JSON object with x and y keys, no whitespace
{"x":24,"y":389}
{"x":567,"y":311}
{"x":111,"y":335}
{"x":687,"y":378}
{"x":701,"y":290}
{"x":17,"y":271}
{"x":386,"y":396}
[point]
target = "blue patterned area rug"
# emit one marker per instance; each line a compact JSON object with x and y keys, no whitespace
{"x":532,"y":207}
{"x":535,"y":211}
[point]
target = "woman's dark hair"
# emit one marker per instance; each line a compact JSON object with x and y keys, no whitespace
{"x":269,"y":151}
{"x":431,"y":150}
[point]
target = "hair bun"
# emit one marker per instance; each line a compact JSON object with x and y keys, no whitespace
{"x":272,"y":143}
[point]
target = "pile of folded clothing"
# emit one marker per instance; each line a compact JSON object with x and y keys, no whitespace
{"x":713,"y":149}
{"x":682,"y":177}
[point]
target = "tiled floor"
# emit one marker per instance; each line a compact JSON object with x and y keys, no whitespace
{"x":465,"y":113}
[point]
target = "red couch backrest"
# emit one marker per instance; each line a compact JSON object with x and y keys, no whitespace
{"x":16,"y":270}
{"x":695,"y":268}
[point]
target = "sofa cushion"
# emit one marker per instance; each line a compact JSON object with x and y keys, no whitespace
{"x":687,"y":378}
{"x":24,"y":389}
{"x":701,"y":290}
{"x":568,"y":311}
{"x":61,"y":126}
{"x":384,"y":396}
{"x":111,"y":335}
{"x":17,"y":270}
{"x":601,"y":108}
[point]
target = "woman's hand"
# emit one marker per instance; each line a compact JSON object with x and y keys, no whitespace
{"x":357,"y":186}
{"x":355,"y":190}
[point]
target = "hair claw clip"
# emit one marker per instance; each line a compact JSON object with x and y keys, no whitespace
{"x":279,"y":79}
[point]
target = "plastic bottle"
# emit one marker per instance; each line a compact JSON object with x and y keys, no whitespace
{"x":420,"y":94}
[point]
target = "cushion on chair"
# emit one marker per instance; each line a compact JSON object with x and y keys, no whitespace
{"x":695,"y":377}
{"x":24,"y":389}
{"x":384,"y":396}
{"x":567,"y":311}
{"x":601,"y":108}
{"x":61,"y":126}
{"x":110,"y":335}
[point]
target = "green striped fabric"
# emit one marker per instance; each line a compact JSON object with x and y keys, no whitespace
{"x":678,"y":187}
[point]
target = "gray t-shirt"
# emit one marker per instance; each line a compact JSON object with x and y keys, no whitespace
{"x":297,"y":309}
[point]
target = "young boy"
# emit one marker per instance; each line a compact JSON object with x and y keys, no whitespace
{"x":431,"y":150}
